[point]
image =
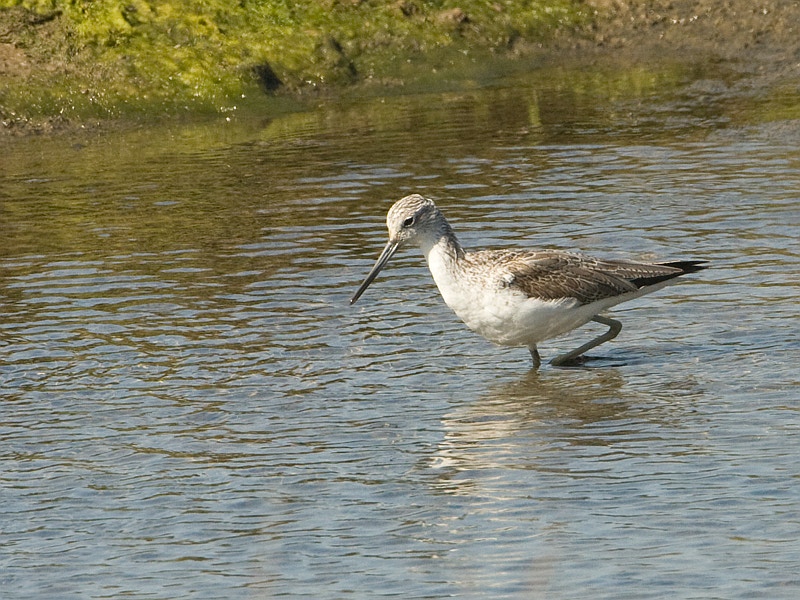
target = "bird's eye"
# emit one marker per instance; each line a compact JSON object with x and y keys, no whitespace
{"x":408,"y":222}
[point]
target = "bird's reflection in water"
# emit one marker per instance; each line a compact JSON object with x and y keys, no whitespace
{"x":519,"y":425}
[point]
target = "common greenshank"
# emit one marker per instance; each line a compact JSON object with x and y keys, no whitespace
{"x":521,"y":297}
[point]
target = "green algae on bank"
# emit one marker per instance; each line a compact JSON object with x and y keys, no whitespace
{"x":108,"y":58}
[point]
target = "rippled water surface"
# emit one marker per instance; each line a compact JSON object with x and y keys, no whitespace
{"x":191,"y":409}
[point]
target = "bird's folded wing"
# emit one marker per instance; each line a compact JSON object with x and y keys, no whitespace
{"x":556,"y":276}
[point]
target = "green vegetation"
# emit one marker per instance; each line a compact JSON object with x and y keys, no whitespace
{"x":102,"y":58}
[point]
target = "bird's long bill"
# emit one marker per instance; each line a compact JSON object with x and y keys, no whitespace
{"x":388,"y":252}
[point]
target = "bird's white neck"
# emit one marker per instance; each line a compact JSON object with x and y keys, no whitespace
{"x":442,"y":245}
{"x":443,"y":252}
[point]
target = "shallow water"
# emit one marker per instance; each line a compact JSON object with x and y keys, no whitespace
{"x":191,"y":409}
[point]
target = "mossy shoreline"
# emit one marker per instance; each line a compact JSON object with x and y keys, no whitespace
{"x":78,"y":63}
{"x":67,"y":61}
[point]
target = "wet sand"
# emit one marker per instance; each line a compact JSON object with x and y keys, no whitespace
{"x":756,"y":39}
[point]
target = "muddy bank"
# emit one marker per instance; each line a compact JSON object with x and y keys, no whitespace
{"x":59,"y":72}
{"x":76,"y":61}
{"x":757,"y":39}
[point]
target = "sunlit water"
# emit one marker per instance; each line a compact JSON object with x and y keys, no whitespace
{"x":191,"y":409}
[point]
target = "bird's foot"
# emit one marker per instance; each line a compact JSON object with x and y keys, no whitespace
{"x":570,"y":361}
{"x":584,"y":361}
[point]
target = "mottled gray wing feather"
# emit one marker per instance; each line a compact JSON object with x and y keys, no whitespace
{"x":552,"y":275}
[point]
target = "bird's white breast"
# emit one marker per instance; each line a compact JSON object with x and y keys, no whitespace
{"x":502,"y":314}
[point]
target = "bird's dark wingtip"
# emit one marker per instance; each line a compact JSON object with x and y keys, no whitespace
{"x":682,"y":267}
{"x":688,"y":266}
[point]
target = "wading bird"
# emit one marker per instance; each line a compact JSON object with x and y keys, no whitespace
{"x":521,"y":297}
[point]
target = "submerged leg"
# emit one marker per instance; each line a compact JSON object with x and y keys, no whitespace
{"x":535,"y":355}
{"x":614,"y":327}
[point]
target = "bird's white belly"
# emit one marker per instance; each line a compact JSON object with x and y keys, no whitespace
{"x":505,"y":315}
{"x":510,"y":318}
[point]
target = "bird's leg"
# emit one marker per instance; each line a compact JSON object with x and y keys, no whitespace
{"x":537,"y":360}
{"x":614,"y":327}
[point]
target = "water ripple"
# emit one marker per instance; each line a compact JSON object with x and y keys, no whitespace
{"x":191,"y":408}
